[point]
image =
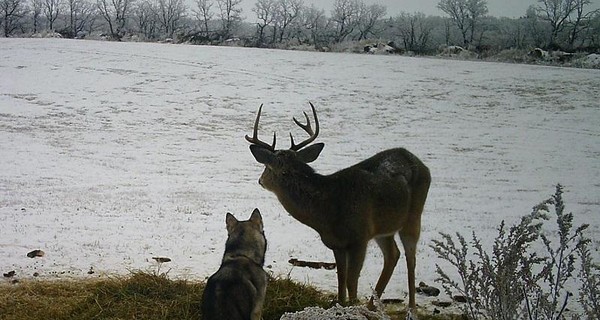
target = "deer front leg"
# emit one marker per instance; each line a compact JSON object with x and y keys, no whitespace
{"x":341,"y":262}
{"x":356,"y":258}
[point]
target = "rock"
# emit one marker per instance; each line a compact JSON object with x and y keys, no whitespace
{"x":312,"y":264}
{"x":461,"y":299}
{"x":592,"y":60}
{"x":392,"y":301}
{"x":442,"y":304}
{"x":452,"y":50}
{"x":36,"y":253}
{"x":9,"y":274}
{"x":539,"y":54}
{"x":428,"y":290}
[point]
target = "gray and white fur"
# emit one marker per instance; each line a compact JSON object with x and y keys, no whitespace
{"x":237,"y":290}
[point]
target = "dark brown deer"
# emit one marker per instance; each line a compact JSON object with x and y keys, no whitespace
{"x":374,"y":199}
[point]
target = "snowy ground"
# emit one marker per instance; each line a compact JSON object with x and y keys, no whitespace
{"x":113,"y":153}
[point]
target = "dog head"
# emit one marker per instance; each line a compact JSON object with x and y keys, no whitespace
{"x":246,"y":238}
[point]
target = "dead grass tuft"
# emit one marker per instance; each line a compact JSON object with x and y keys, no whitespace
{"x":142,"y":295}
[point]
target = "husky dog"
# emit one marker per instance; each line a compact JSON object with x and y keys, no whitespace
{"x":237,"y":290}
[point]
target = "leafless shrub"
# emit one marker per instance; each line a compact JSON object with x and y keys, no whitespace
{"x":589,"y":273}
{"x":517,"y":280}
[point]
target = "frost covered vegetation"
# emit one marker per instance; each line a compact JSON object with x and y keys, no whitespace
{"x":563,"y":26}
{"x":530,"y":270}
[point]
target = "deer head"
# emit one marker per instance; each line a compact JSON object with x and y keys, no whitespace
{"x":281,"y":165}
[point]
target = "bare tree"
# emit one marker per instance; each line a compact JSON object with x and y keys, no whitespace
{"x":52,"y":9}
{"x":36,"y":11}
{"x":203,"y":14}
{"x":511,"y":33}
{"x":593,"y":32}
{"x":447,"y":33}
{"x":477,"y":9}
{"x":80,"y":13}
{"x":146,"y":20}
{"x":314,"y":22}
{"x":415,"y":31}
{"x":115,"y":13}
{"x":535,"y":27}
{"x":170,"y":13}
{"x":457,"y":10}
{"x":12,"y":13}
{"x":368,"y":18}
{"x":345,"y":18}
{"x":557,"y":13}
{"x":466,"y":14}
{"x":265,"y":13}
{"x":287,"y":11}
{"x":581,"y":20}
{"x":231,"y":16}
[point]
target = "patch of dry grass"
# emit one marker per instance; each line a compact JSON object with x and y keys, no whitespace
{"x":142,"y":295}
{"x":137,"y":296}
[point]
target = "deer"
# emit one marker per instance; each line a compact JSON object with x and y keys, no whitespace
{"x":373,"y":199}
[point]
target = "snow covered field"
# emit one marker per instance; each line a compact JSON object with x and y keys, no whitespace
{"x":114,"y":153}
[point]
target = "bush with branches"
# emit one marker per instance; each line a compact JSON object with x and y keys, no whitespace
{"x":527,"y":273}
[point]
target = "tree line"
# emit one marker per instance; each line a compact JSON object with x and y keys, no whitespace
{"x":550,"y":24}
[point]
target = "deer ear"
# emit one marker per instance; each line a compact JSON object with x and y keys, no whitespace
{"x":262,"y":155}
{"x":310,"y":153}
{"x":230,"y":222}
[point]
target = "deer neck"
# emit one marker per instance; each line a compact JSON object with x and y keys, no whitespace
{"x":303,"y":197}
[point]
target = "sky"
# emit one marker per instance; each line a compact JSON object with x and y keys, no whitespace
{"x":498,"y":8}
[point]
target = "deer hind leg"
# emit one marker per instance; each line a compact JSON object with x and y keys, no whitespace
{"x":409,"y":237}
{"x":391,"y":254}
{"x":356,"y":258}
{"x":341,"y":261}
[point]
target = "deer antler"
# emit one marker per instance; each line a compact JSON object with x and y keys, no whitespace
{"x":306,"y":127}
{"x":255,"y":139}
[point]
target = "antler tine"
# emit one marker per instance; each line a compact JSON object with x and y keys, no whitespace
{"x":308,"y":128}
{"x":254,"y":139}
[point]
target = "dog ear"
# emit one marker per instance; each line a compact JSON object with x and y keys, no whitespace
{"x":230,"y":222}
{"x":256,"y":219}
